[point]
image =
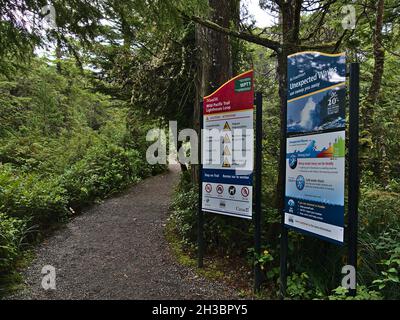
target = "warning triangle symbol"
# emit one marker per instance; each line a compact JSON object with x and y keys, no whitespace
{"x":226,"y":163}
{"x":227,"y":127}
{"x":227,"y":152}
{"x":226,"y":139}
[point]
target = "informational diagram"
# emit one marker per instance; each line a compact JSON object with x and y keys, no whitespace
{"x":228,"y":148}
{"x":315,"y":145}
{"x":314,"y":183}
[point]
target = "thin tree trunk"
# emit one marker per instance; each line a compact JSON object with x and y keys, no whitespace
{"x":58,"y":55}
{"x":372,"y":136}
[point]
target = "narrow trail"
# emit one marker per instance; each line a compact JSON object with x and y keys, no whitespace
{"x":117,"y":250}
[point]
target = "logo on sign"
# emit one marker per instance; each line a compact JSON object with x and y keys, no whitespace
{"x":208,"y":188}
{"x":243,"y":85}
{"x":220,"y":189}
{"x":232,"y":190}
{"x":293,"y":161}
{"x":291,"y":204}
{"x":245,"y":192}
{"x":300,"y":183}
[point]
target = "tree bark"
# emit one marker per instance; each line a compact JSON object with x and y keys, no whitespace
{"x":214,"y":50}
{"x":290,"y":21}
{"x":371,"y":135}
{"x":379,"y":61}
{"x":58,"y":55}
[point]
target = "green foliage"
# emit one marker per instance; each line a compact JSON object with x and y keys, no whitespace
{"x":299,"y":287}
{"x":41,"y":200}
{"x":363,"y":293}
{"x":184,"y":209}
{"x":68,"y":138}
{"x":62,"y":146}
{"x":12,"y":235}
{"x":389,"y":282}
{"x":263,"y":260}
{"x":104,"y":170}
{"x":377,"y":209}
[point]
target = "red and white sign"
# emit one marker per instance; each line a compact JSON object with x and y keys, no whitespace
{"x":228,"y":148}
{"x":222,"y":100}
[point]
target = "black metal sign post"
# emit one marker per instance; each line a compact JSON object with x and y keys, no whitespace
{"x":353,"y":183}
{"x":353,"y":176}
{"x":200,"y":214}
{"x":283,"y":261}
{"x":257,"y":193}
{"x":284,"y":230}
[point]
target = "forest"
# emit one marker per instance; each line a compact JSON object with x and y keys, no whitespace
{"x":82,"y":83}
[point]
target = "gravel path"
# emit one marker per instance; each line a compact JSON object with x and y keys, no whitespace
{"x":117,"y":250}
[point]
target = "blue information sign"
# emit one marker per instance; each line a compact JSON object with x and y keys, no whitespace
{"x":315,"y":145}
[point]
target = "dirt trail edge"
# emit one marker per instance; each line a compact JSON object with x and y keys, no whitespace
{"x":117,"y":250}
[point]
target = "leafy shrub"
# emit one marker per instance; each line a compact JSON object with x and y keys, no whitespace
{"x":104,"y":170}
{"x":379,"y":238}
{"x":363,"y":293}
{"x":41,"y":200}
{"x":299,"y":286}
{"x":12,"y":234}
{"x":184,"y":209}
{"x":378,"y":210}
{"x":264,"y":260}
{"x":388,"y":281}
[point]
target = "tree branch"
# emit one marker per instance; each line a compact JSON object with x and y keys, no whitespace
{"x":265,"y":42}
{"x":262,"y":41}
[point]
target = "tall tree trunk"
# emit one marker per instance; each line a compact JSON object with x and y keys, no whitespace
{"x":235,"y":42}
{"x":372,"y":136}
{"x":379,"y":56}
{"x":290,"y":22}
{"x":214,"y":56}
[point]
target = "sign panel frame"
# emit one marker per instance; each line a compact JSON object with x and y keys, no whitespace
{"x":315,"y":145}
{"x":227,"y":134}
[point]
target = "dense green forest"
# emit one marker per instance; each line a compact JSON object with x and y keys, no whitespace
{"x":77,"y":99}
{"x":64,"y":146}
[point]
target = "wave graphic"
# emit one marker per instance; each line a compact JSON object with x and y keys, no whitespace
{"x":309,"y":115}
